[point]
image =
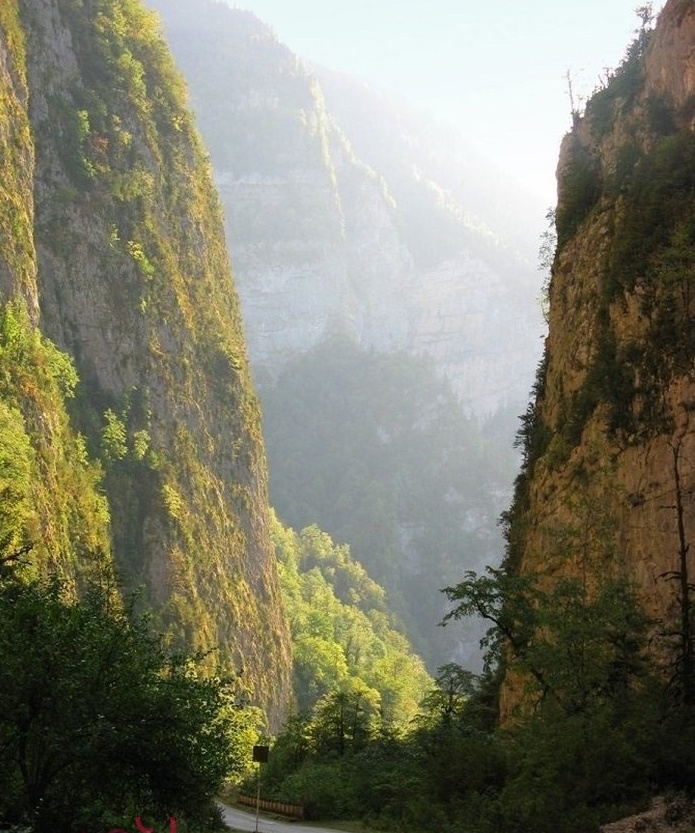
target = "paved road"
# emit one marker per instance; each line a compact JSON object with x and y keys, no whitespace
{"x":240,"y":820}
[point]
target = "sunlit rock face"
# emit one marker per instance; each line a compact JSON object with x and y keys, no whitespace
{"x":348,"y":214}
{"x":122,"y":262}
{"x":613,"y":451}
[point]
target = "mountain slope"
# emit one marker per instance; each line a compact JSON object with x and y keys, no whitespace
{"x":112,"y":236}
{"x":344,"y":636}
{"x":377,"y":447}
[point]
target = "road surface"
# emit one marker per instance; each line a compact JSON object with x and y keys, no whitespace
{"x":240,"y":820}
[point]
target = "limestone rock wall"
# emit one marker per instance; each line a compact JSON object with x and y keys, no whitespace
{"x":133,"y":281}
{"x":614,"y":418}
{"x":333,"y":230}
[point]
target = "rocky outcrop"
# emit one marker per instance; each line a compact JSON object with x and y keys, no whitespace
{"x":611,"y":438}
{"x":666,"y":815}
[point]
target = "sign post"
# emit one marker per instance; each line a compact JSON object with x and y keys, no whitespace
{"x":260,"y":756}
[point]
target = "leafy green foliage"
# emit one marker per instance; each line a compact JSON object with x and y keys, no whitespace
{"x":620,"y":87}
{"x":579,"y":190}
{"x":449,"y":697}
{"x":575,"y":648}
{"x":16,"y":464}
{"x":113,"y":437}
{"x":591,"y":718}
{"x":338,"y":761}
{"x":344,"y":639}
{"x":654,"y":206}
{"x":571,"y":775}
{"x":607,"y":383}
{"x":51,"y":491}
{"x":97,"y":723}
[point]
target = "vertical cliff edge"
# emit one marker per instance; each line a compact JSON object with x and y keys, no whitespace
{"x":111,"y":239}
{"x":609,"y":438}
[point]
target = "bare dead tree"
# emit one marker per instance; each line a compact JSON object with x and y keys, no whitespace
{"x":573,"y":107}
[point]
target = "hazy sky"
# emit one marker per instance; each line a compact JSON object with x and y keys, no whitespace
{"x":496,"y":69}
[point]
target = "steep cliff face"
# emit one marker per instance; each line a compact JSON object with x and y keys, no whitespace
{"x":120,"y":254}
{"x":18,"y":262}
{"x":53,"y":516}
{"x":339,"y":220}
{"x":610,"y":438}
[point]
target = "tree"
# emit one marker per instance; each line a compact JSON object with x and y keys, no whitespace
{"x":97,"y":724}
{"x":588,"y":733}
{"x":504,"y":600}
{"x":453,"y":687}
{"x":343,"y":720}
{"x":572,"y":645}
{"x":684,"y":663}
{"x":546,"y":258}
{"x":16,"y":460}
{"x":454,"y":746}
{"x":646,"y":15}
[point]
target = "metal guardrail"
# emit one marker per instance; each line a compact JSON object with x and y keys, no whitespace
{"x":294,"y":811}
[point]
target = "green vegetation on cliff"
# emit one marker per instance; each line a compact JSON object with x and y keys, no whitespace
{"x":52,"y":502}
{"x":17,"y":255}
{"x":132,"y":281}
{"x":344,"y":638}
{"x":630,"y":169}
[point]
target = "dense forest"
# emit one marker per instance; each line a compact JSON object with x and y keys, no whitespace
{"x":378,"y":448}
{"x":601,"y":731}
{"x":344,"y":636}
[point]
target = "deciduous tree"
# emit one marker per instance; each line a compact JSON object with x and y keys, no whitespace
{"x":97,"y":723}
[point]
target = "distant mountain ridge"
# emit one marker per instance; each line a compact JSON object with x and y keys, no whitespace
{"x":377,"y":449}
{"x":346,"y":214}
